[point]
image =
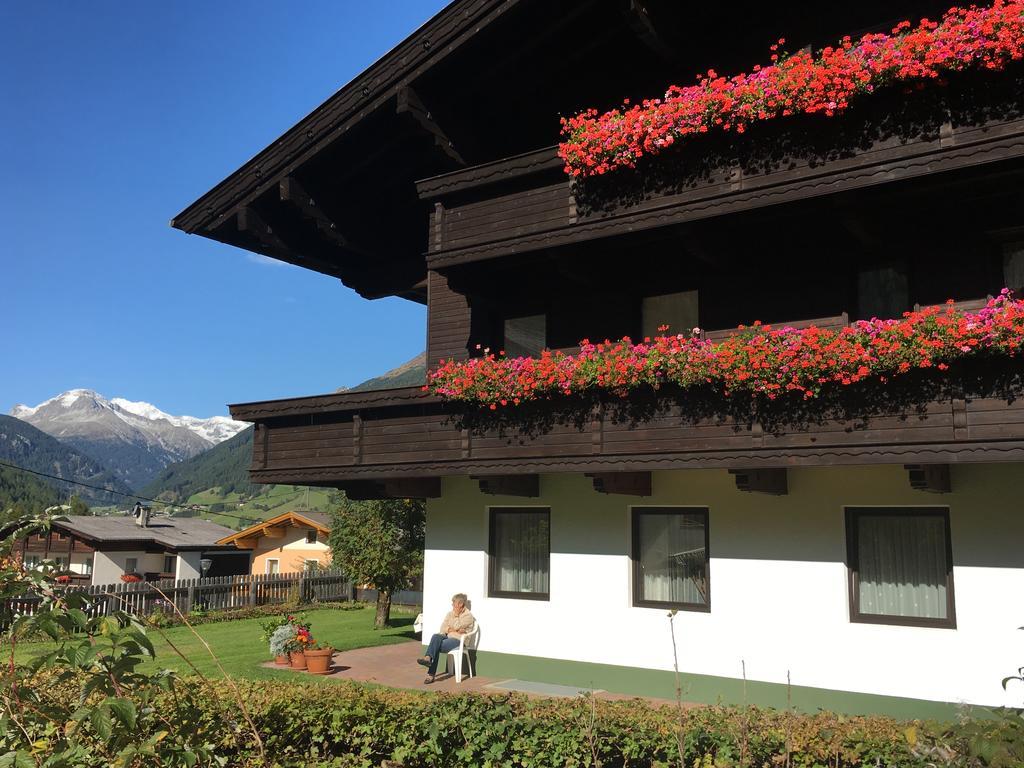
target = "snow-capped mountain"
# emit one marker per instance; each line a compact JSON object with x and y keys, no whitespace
{"x":134,"y":439}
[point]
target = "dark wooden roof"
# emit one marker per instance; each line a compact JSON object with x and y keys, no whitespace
{"x":231,"y":209}
{"x":337,"y":194}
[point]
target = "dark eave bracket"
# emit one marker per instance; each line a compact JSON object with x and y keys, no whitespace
{"x":932,"y":478}
{"x":624,"y":483}
{"x":293,"y":193}
{"x":509,"y":485}
{"x":773,"y":482}
{"x":410,"y":104}
{"x":401,"y":488}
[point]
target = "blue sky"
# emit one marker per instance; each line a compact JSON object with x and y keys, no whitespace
{"x":116,"y":115}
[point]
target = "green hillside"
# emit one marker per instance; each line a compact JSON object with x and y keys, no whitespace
{"x":410,"y":374}
{"x":225,"y":466}
{"x":26,"y":446}
{"x":24,"y":493}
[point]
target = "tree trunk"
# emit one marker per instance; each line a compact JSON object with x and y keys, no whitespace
{"x":383,"y":618}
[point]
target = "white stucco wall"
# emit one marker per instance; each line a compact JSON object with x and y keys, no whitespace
{"x":78,"y":562}
{"x":188,"y":566}
{"x":109,"y":566}
{"x":778,"y":582}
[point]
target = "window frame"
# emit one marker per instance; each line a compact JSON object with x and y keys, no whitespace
{"x":634,"y":552}
{"x":173,"y":563}
{"x":492,"y":512}
{"x":853,"y":514}
{"x":311,"y":536}
{"x":135,"y":568}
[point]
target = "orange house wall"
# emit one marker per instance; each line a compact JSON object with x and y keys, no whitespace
{"x":291,"y":551}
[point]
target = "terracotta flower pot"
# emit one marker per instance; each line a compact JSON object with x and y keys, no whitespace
{"x":283,"y":660}
{"x":298,"y":659}
{"x":318,"y":662}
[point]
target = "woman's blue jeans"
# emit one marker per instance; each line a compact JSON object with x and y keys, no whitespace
{"x":439,"y":644}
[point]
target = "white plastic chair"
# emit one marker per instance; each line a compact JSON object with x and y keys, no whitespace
{"x":467,"y":643}
{"x":417,"y":625}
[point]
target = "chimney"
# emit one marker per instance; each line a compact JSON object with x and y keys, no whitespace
{"x":141,"y":515}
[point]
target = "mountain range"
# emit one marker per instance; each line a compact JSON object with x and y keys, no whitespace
{"x":127,"y":446}
{"x":135,"y":440}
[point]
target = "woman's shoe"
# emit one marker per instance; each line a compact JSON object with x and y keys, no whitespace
{"x":429,"y":680}
{"x":423,"y":661}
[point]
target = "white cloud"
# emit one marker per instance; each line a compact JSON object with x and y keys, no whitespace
{"x":259,"y":258}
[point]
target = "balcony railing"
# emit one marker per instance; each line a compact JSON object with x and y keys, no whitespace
{"x":365,"y":441}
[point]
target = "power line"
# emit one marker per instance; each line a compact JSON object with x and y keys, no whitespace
{"x":127,"y":495}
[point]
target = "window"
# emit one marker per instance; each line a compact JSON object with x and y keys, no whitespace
{"x":882,"y":292}
{"x":519,"y":552}
{"x":273,"y":566}
{"x":311,"y":566}
{"x":1013,"y":266}
{"x":60,"y":562}
{"x":87,"y":566}
{"x":131,"y":565}
{"x":670,"y":558}
{"x":676,"y":310}
{"x":901,"y":566}
{"x":311,"y":537}
{"x":169,"y":564}
{"x":525,"y":336}
{"x":31,"y":561}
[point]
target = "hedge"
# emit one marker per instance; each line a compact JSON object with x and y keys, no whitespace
{"x":349,"y":724}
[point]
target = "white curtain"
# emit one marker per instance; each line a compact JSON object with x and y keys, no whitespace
{"x":673,"y":560}
{"x":902,"y":565}
{"x":522,"y":551}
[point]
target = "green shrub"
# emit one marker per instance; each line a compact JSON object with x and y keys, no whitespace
{"x":347,"y":724}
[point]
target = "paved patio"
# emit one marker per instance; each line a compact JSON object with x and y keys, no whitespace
{"x":395,"y":666}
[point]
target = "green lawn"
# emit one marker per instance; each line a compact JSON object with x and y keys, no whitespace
{"x":241,"y":650}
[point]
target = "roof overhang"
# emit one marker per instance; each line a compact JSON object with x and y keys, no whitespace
{"x":284,"y":520}
{"x":292,"y":201}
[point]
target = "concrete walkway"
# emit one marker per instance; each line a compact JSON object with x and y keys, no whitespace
{"x":395,"y":666}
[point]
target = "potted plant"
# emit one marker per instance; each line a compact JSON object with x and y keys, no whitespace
{"x":318,"y":659}
{"x":298,"y":644}
{"x":280,"y":642}
{"x":271,"y":627}
{"x":131,"y":578}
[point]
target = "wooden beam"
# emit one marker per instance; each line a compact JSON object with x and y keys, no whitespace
{"x":270,"y":243}
{"x":400,"y":488}
{"x":624,"y":483}
{"x":509,"y":485}
{"x":409,"y":104}
{"x":293,"y":193}
{"x":932,"y":478}
{"x":639,"y":20}
{"x":771,"y":481}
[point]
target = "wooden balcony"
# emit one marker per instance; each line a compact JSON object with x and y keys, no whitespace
{"x":401,"y":441}
{"x":527,"y":203}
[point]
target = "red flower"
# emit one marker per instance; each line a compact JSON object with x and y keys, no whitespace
{"x":978,"y":38}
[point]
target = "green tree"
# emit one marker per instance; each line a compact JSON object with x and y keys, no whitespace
{"x":78,"y":507}
{"x":379,"y":543}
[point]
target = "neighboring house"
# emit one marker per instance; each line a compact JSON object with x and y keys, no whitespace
{"x":817,"y":547}
{"x":100,"y":550}
{"x":288,"y":543}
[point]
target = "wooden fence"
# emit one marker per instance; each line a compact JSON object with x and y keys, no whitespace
{"x":214,"y":594}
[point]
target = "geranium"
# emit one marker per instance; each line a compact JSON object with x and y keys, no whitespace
{"x":131,"y":578}
{"x":761,"y":360}
{"x":965,"y":38}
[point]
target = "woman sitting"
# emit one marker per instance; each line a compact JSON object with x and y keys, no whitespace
{"x":457,"y":623}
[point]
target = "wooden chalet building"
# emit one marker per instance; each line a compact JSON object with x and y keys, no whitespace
{"x":870,"y":554}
